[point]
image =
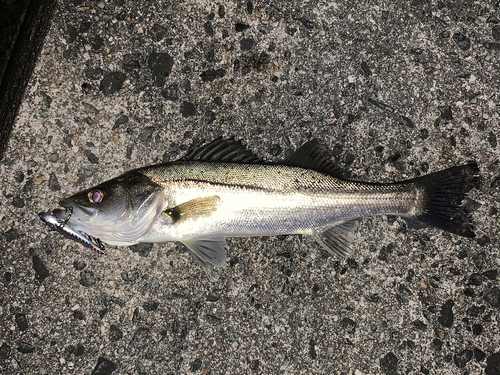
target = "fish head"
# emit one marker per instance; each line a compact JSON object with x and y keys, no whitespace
{"x":118,"y":211}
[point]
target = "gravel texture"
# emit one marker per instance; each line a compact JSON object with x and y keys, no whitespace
{"x":395,"y":89}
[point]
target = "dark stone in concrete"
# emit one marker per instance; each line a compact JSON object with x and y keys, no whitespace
{"x":160,"y":65}
{"x":493,"y":364}
{"x":389,"y":364}
{"x":171,"y":92}
{"x":41,"y":272}
{"x":212,"y":74}
{"x":21,"y":321}
{"x":446,"y":317}
{"x":87,"y":278}
{"x":141,"y":337}
{"x":53,"y":182}
{"x":104,"y":367}
{"x":492,"y":296}
{"x":462,"y":41}
{"x":4,"y":351}
{"x":115,"y":333}
{"x":246,"y":44}
{"x":112,"y":82}
{"x":188,"y":109}
{"x":25,"y":348}
{"x":462,"y":358}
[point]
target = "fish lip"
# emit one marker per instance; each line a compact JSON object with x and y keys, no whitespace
{"x":64,"y":204}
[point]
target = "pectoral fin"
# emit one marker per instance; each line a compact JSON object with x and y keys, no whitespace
{"x":193,"y":209}
{"x":337,"y":240}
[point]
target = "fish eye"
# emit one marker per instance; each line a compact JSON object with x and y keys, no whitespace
{"x":96,"y":195}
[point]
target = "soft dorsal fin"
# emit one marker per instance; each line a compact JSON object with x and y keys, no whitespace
{"x":227,"y":150}
{"x":194,"y":208}
{"x":312,"y":155}
{"x":337,"y":240}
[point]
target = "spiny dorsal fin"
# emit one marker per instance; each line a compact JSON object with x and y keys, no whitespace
{"x":227,"y":150}
{"x":337,"y":240}
{"x":312,"y":155}
{"x":193,"y":209}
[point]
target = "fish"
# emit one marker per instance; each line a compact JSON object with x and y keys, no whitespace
{"x":60,"y":226}
{"x":222,"y":190}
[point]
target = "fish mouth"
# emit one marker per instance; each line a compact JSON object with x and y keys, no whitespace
{"x":63,"y":214}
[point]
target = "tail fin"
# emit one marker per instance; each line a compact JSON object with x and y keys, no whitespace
{"x":445,"y":191}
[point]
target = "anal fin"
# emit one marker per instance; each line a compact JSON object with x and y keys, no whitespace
{"x":337,"y":240}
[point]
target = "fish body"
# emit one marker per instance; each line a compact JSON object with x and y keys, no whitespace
{"x":223,"y":190}
{"x":263,"y":200}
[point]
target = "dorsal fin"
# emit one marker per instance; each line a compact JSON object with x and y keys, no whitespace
{"x":312,"y":155}
{"x":227,"y":150}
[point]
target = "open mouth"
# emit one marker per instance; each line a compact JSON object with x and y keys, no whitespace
{"x":63,"y":214}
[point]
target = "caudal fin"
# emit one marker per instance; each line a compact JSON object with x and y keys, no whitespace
{"x":445,"y":191}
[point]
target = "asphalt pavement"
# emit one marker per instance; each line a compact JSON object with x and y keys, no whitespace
{"x":394,"y":89}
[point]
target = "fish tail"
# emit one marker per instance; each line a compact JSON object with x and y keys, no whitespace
{"x":444,"y":193}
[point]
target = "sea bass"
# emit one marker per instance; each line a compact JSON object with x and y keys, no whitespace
{"x":223,"y":190}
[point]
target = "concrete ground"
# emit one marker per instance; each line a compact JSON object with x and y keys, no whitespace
{"x":395,"y":89}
